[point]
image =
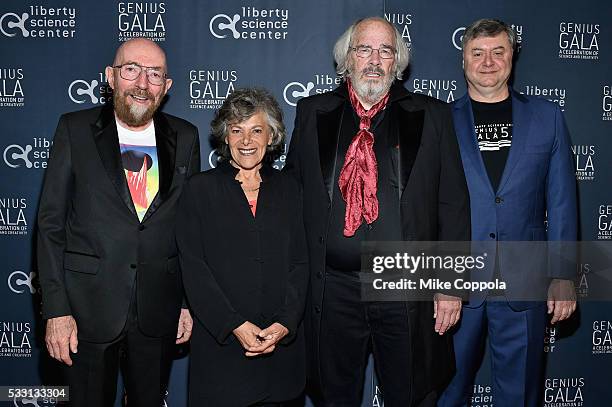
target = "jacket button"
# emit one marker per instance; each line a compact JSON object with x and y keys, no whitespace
{"x":132,"y":266}
{"x":319,"y":275}
{"x":141,"y":228}
{"x":492,"y":235}
{"x":321,"y":240}
{"x":499,"y":199}
{"x":318,"y":309}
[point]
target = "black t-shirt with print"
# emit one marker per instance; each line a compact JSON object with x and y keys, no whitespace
{"x":493,"y":126}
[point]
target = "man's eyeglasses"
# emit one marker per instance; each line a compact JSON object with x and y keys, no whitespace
{"x":131,"y":72}
{"x":364,"y":51}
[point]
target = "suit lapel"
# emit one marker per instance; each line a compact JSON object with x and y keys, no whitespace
{"x":409,"y":131}
{"x":165,"y":141}
{"x":466,"y":134}
{"x":328,"y":132}
{"x":521,"y":121}
{"x":107,"y":143}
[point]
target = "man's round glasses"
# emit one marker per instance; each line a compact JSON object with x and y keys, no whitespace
{"x":131,"y":72}
{"x":364,"y":51}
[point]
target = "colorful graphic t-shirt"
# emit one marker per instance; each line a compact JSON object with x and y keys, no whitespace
{"x":139,"y":158}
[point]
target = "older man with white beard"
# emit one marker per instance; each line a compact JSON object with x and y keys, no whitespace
{"x":107,"y":256}
{"x":377,"y":163}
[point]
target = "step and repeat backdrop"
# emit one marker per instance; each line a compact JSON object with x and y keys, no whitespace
{"x":53,"y":55}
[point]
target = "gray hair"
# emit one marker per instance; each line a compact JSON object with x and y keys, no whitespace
{"x":342,"y":49}
{"x":241,"y":105}
{"x":487,"y":27}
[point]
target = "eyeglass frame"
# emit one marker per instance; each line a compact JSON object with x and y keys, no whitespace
{"x":146,"y":69}
{"x":393,"y":50}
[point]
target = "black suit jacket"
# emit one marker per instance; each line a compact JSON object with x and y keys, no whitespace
{"x":237,"y":268}
{"x":433,"y":196}
{"x":92,"y":248}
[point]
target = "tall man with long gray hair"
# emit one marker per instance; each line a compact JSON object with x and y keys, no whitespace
{"x":519,"y":169}
{"x":377,"y":163}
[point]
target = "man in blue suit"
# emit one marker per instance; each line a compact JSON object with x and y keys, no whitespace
{"x":518,"y":165}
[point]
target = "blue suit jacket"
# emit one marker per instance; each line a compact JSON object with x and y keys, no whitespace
{"x":535,"y":200}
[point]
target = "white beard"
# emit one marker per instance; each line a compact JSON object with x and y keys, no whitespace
{"x":368,"y":90}
{"x":138,"y":111}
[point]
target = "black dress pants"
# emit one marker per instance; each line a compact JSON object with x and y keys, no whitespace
{"x":145,"y":362}
{"x":352,"y":329}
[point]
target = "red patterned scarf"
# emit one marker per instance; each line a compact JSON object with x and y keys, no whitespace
{"x":359,"y":175}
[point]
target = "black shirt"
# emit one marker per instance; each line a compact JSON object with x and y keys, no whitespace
{"x":493,"y":126}
{"x":344,"y":253}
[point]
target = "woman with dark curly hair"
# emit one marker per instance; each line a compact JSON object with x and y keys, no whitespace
{"x":243,"y":257}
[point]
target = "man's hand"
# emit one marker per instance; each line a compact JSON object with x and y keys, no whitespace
{"x":561,"y":299}
{"x":447,"y":310}
{"x":247,"y":334}
{"x":61,"y":338}
{"x":270,"y":337}
{"x":185,"y":325}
